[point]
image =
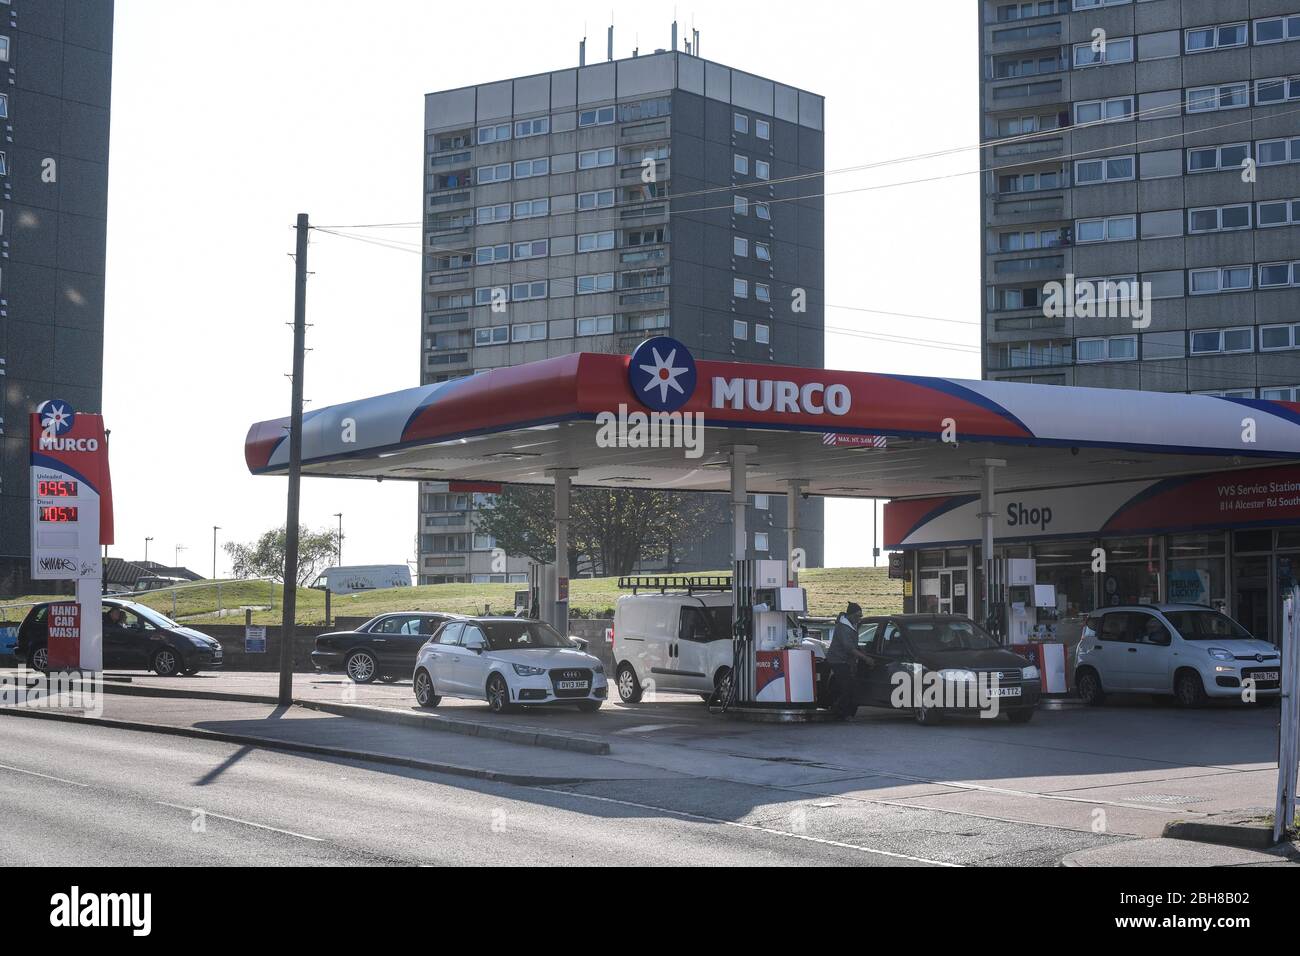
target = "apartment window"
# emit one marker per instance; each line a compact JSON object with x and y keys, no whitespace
{"x":1214,"y":341}
{"x":762,"y":210}
{"x":523,"y":291}
{"x":762,"y":169}
{"x":1276,"y":275}
{"x":496,"y":335}
{"x":487,"y":294}
{"x":1032,"y":239}
{"x":532,"y":208}
{"x":598,"y":117}
{"x":762,"y":334}
{"x":1200,"y":39}
{"x":1094,"y":4}
{"x":1286,"y":393}
{"x":762,"y":129}
{"x":647,"y":321}
{"x":1225,"y":96}
{"x":762,"y":292}
{"x":1270,"y":152}
{"x":1274,"y":338}
{"x":1029,"y":182}
{"x":532,"y":127}
{"x":4,"y":49}
{"x":1112,"y":110}
{"x":593,"y":158}
{"x":528,"y":332}
{"x":1112,"y":51}
{"x":598,"y":199}
{"x":526,"y":168}
{"x":492,"y":174}
{"x":740,"y":288}
{"x":740,"y":330}
{"x":1219,"y":279}
{"x":1219,"y":218}
{"x":486,"y":214}
{"x":595,"y":241}
{"x":645,"y":237}
{"x":4,"y":105}
{"x":760,"y":541}
{"x":486,"y":255}
{"x":740,"y":206}
{"x":1277,"y":29}
{"x":1229,"y":393}
{"x":740,"y":164}
{"x":762,"y":252}
{"x":740,"y":246}
{"x":533,"y":249}
{"x":588,"y":285}
{"x":1282,"y":212}
{"x":596,"y":325}
{"x":1277,"y":90}
{"x":1110,"y":289}
{"x":1114,"y":348}
{"x":493,"y":134}
{"x":740,"y":122}
{"x":1108,"y":229}
{"x":1106,"y":170}
{"x":1209,"y":158}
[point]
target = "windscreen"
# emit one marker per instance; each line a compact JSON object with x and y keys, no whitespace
{"x":522,"y":635}
{"x":1207,"y":625}
{"x":955,"y":635}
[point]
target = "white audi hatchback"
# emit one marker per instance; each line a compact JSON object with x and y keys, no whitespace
{"x":507,"y":661}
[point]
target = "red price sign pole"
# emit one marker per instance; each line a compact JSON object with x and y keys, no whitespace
{"x":72,"y":518}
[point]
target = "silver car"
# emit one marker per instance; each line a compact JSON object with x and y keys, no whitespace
{"x":1190,"y":651}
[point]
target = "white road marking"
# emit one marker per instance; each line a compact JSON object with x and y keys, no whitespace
{"x":644,"y":728}
{"x":247,"y":823}
{"x":748,"y":826}
{"x":45,"y":776}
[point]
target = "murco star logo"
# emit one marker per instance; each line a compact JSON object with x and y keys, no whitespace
{"x":662,"y":374}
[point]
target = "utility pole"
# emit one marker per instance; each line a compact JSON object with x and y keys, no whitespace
{"x":215,"y":529}
{"x":295,"y":465}
{"x":339,"y":515}
{"x":146,"y":549}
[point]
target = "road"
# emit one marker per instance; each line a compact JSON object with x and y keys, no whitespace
{"x":85,"y":795}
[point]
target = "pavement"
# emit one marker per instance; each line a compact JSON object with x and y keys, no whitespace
{"x":1071,"y":787}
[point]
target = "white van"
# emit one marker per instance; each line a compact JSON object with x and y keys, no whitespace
{"x":672,"y":642}
{"x":363,"y":577}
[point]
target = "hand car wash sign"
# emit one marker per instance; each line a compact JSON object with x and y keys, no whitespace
{"x":72,"y":516}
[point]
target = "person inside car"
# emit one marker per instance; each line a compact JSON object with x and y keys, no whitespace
{"x":115,"y":618}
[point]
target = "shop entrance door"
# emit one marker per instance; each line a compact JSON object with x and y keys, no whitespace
{"x":1251,"y":600}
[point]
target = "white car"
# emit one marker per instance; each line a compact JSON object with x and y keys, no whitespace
{"x":507,"y":661}
{"x":1187,"y":650}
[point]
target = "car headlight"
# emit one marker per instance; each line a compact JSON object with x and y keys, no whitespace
{"x":1219,"y":654}
{"x":598,"y":668}
{"x":527,"y":670}
{"x":1029,"y":673}
{"x":956,"y":674}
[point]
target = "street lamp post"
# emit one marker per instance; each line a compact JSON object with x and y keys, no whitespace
{"x":146,"y":549}
{"x":339,"y":557}
{"x":215,"y":529}
{"x":176,"y":555}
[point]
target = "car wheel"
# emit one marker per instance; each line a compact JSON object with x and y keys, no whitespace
{"x":927,"y":716}
{"x":1188,"y":689}
{"x":588,"y":706}
{"x":1022,"y":715}
{"x":166,"y":662}
{"x":721,"y":686}
{"x":498,"y":694}
{"x":629,"y":688}
{"x":424,"y":695}
{"x":40,"y":659}
{"x":361,"y":667}
{"x":1089,"y":687}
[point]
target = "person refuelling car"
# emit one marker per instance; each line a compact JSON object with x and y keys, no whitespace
{"x":842,"y":657}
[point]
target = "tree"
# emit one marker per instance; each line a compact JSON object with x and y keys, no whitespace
{"x":611,"y":530}
{"x":264,"y":558}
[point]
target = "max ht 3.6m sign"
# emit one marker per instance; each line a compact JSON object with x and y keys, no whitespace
{"x":72,"y":516}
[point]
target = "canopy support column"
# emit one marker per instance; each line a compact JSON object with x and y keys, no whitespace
{"x":795,"y":556}
{"x":559,"y":609}
{"x":987,"y":514}
{"x":737,"y":455}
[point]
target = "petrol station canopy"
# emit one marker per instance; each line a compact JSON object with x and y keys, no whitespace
{"x":517,"y":424}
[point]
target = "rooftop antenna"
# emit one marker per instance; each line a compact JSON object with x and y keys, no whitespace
{"x":609,"y":43}
{"x":696,"y":33}
{"x":582,"y":52}
{"x":636,"y":47}
{"x":674,"y":46}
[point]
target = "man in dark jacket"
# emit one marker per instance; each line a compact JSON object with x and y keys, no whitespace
{"x":841,"y":657}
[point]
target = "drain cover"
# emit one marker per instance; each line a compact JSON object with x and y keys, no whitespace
{"x":1171,"y":798}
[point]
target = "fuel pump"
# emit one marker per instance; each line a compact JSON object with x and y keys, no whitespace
{"x":769,"y":665}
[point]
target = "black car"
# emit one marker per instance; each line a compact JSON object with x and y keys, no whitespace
{"x":949,"y":654}
{"x":383,"y":647}
{"x":135,"y":636}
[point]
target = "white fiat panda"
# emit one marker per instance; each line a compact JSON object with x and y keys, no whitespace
{"x":675,"y":642}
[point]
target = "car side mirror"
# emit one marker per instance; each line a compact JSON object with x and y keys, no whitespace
{"x":578,"y":642}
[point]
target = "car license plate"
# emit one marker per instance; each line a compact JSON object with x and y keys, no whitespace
{"x":1265,"y":675}
{"x":572,"y":685}
{"x":1006,"y":692}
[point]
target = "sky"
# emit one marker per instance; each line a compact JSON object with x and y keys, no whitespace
{"x":228,"y":120}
